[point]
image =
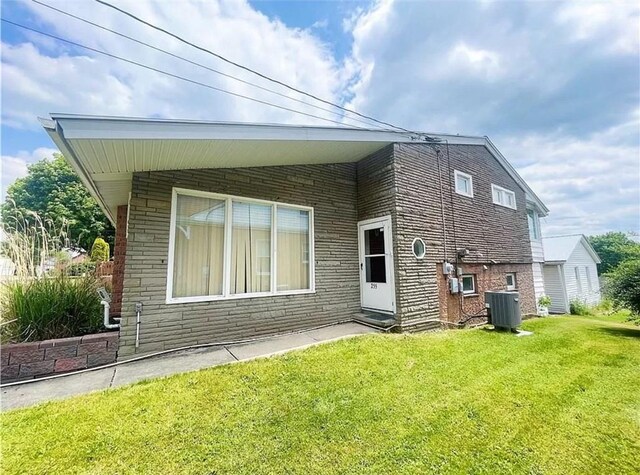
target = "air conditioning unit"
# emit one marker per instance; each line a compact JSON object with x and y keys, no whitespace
{"x":504,"y":309}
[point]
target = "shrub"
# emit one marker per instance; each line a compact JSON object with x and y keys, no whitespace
{"x":81,"y":268}
{"x":100,"y":250}
{"x":623,"y":286}
{"x":578,"y":307}
{"x":544,"y":301}
{"x":50,"y":307}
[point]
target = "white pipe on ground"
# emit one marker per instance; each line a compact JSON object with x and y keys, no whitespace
{"x":107,"y":324}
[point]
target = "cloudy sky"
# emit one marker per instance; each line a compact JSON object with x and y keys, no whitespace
{"x":555,"y":85}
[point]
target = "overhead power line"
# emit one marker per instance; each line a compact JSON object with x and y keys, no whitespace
{"x":252,"y":71}
{"x":195,"y":63}
{"x":169,"y":74}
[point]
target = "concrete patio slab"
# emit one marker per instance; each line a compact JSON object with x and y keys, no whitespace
{"x":35,"y":392}
{"x":167,"y":365}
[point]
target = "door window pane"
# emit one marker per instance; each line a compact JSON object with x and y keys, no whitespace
{"x":374,"y":241}
{"x":293,"y":249}
{"x":250,"y":238}
{"x":376,"y":269}
{"x":199,"y":246}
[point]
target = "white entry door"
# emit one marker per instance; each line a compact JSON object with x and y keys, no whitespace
{"x":377,"y":289}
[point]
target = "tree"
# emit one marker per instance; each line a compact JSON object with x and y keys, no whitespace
{"x":613,"y":249}
{"x":53,"y":191}
{"x":100,"y":250}
{"x":623,"y":286}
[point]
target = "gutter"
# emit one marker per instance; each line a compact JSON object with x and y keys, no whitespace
{"x":56,"y":133}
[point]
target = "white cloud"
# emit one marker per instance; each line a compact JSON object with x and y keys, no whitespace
{"x":463,"y":58}
{"x":15,"y":166}
{"x":35,"y":82}
{"x":616,"y":22}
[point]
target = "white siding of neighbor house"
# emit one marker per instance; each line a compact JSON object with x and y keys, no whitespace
{"x":554,"y":288}
{"x":538,"y":280}
{"x":581,"y":258}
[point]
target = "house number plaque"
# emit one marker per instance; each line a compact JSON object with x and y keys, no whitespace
{"x":374,"y":286}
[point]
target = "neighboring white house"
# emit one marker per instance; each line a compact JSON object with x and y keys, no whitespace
{"x":570,"y":271}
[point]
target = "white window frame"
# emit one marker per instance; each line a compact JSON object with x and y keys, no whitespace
{"x":534,"y":232}
{"x":226,"y":267}
{"x":473,"y":280}
{"x":499,"y":191}
{"x":515,"y":282}
{"x":458,"y":173}
{"x":576,"y":271}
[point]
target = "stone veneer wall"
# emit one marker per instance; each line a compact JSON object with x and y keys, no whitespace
{"x":22,"y":361}
{"x":329,"y":189}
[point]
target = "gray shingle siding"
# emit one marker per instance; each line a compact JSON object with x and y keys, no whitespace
{"x":329,"y":189}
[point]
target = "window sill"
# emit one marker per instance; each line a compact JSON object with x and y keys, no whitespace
{"x":220,"y":298}
{"x":505,"y":206}
{"x":470,"y":295}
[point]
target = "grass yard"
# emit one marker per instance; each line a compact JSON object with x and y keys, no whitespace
{"x":565,"y":400}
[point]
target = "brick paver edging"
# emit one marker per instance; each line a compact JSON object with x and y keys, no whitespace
{"x":22,"y":361}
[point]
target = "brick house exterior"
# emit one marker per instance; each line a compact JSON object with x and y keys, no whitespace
{"x":360,"y":186}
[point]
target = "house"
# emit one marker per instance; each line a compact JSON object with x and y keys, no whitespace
{"x":570,"y":271}
{"x":228,"y":231}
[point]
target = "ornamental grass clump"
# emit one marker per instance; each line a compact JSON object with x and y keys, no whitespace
{"x":51,"y":307}
{"x":41,"y":301}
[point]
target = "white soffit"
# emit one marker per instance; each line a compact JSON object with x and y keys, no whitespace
{"x":106,"y":151}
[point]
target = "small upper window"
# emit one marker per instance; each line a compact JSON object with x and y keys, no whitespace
{"x":511,"y":281}
{"x":534,"y":224}
{"x":503,"y":197}
{"x":464,"y":183}
{"x":469,"y":284}
{"x":419,"y":249}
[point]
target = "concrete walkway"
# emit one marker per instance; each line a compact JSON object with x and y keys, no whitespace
{"x":28,"y":394}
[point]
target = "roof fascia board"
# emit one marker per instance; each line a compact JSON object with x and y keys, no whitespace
{"x":57,"y":135}
{"x":585,"y":242}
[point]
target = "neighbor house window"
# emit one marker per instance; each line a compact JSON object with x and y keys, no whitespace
{"x":578,"y":281}
{"x":464,"y":183}
{"x":589,"y":284}
{"x":534,"y":224}
{"x":511,"y":281}
{"x":230,"y":247}
{"x":503,"y":197}
{"x":469,"y":284}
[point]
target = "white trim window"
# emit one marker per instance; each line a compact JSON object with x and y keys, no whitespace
{"x":576,"y":271}
{"x":511,"y":281}
{"x":588,"y":274}
{"x":463,"y":183}
{"x":503,"y":197}
{"x":225,"y":247}
{"x":534,"y":224}
{"x":468,"y":284}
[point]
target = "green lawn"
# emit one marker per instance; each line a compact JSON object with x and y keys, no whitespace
{"x":565,"y":400}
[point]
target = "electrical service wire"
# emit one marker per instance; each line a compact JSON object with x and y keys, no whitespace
{"x":195,"y":63}
{"x":257,"y":73}
{"x":167,"y":73}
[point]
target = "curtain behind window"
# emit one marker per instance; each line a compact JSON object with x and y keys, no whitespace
{"x":293,"y":249}
{"x":199,"y":246}
{"x":250,"y":240}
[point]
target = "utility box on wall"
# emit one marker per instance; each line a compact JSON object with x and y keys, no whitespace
{"x":504,"y":309}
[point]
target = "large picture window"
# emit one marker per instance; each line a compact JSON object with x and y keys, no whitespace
{"x":231,"y":247}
